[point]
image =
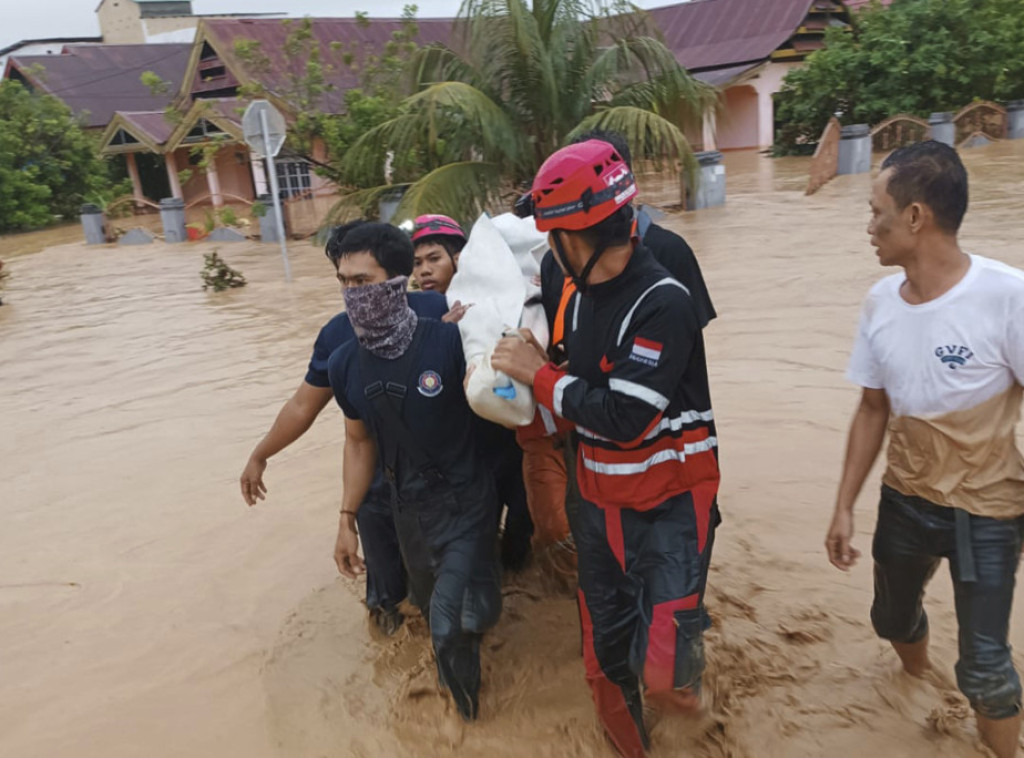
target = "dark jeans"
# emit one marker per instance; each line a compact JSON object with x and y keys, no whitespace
{"x":385,"y":573}
{"x":508,"y":480}
{"x":912,"y":536}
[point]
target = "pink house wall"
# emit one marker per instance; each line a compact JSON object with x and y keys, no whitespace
{"x":234,"y":172}
{"x":235,"y":177}
{"x":738,"y":121}
{"x":747,"y":116}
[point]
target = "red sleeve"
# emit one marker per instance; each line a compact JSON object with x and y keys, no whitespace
{"x":544,"y":385}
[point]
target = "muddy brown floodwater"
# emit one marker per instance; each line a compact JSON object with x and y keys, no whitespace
{"x":144,"y":610}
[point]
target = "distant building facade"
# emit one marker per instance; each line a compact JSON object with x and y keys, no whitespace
{"x":130,"y":22}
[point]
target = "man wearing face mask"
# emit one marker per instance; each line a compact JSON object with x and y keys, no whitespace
{"x":400,"y":385}
{"x":385,"y":574}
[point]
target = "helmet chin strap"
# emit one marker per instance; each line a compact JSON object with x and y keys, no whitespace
{"x":580,"y":279}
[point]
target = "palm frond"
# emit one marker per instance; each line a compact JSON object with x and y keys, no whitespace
{"x":437,"y":63}
{"x":467,"y":120}
{"x":363,"y":164}
{"x":460,"y":190}
{"x":642,"y":72}
{"x":652,"y":139}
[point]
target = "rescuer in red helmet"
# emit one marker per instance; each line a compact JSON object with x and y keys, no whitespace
{"x":635,"y":391}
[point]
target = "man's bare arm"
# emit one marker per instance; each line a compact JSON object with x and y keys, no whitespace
{"x":293,"y":420}
{"x":360,"y":461}
{"x":867,"y":432}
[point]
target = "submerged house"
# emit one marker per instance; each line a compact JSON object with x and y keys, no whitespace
{"x":209,"y":103}
{"x":98,"y":81}
{"x":745,"y":48}
{"x":184,"y":138}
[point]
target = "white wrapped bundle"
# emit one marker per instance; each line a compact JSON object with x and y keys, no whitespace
{"x":496,"y":278}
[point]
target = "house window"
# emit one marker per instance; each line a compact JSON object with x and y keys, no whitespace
{"x":203,"y":130}
{"x":293,"y":177}
{"x":121,"y":137}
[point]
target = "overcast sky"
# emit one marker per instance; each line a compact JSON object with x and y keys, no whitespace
{"x":29,"y":19}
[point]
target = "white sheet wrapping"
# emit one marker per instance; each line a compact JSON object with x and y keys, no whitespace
{"x":496,"y":271}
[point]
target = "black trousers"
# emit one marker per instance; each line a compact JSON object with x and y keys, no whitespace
{"x":447,"y":542}
{"x":911,"y":538}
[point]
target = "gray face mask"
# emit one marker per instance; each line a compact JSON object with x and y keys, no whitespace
{"x":381,"y":317}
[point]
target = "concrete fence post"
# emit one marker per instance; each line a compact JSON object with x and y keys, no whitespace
{"x":855,"y":149}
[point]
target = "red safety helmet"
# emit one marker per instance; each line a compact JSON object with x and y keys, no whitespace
{"x":580,"y":186}
{"x":435,"y":225}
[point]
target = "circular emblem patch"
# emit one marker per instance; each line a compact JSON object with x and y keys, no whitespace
{"x":430,"y":384}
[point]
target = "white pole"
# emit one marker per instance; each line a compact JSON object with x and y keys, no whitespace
{"x":275,"y":192}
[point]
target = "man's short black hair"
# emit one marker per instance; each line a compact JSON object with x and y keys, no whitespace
{"x":931,"y":173}
{"x":615,"y":230}
{"x":388,"y":245}
{"x":615,"y":139}
{"x":331,"y":249}
{"x":452,"y":245}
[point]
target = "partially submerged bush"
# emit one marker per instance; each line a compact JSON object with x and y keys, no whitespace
{"x":218,"y":275}
{"x":228,"y":217}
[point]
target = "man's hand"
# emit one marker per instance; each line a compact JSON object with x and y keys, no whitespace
{"x":251,"y":480}
{"x":456,"y":312}
{"x":346,"y":549}
{"x":841,"y":553}
{"x":519,"y":357}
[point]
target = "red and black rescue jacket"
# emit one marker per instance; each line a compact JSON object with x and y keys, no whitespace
{"x":636,"y":389}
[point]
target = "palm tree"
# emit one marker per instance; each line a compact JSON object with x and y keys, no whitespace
{"x":520,"y":81}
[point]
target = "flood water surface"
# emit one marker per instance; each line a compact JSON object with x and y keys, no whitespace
{"x":144,"y":610}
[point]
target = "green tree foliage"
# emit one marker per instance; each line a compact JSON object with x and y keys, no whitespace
{"x":48,"y":164}
{"x":520,"y":80}
{"x":310,"y":92}
{"x":917,"y":56}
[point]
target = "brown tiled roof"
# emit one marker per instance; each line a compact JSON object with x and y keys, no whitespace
{"x":348,"y":33}
{"x":98,"y":80}
{"x":708,"y":34}
{"x":153,"y":124}
{"x":14,"y":47}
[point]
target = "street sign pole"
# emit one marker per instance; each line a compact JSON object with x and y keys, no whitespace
{"x":275,"y":191}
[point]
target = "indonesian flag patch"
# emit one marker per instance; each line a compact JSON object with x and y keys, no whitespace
{"x":646,"y":352}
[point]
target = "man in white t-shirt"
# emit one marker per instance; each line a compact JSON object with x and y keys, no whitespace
{"x":940,"y":356}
